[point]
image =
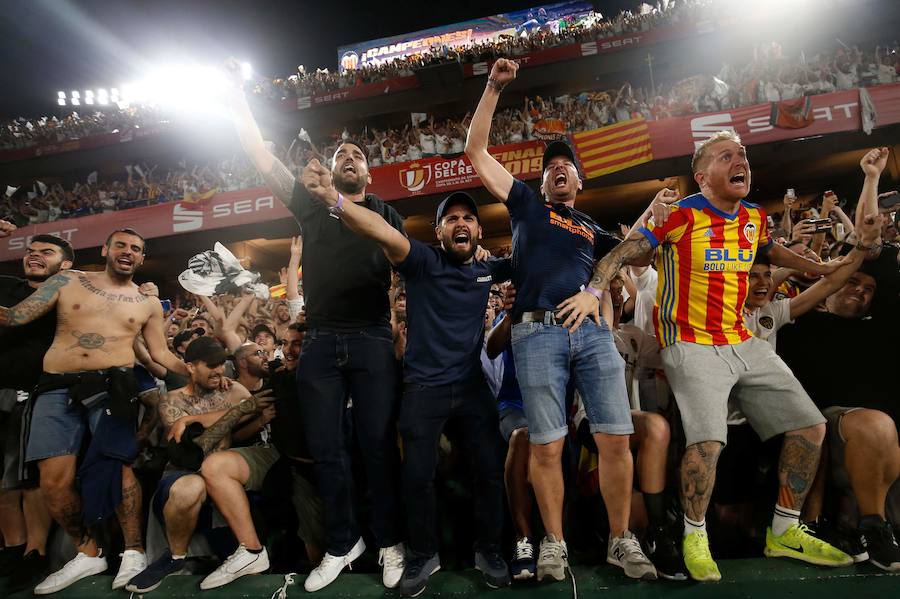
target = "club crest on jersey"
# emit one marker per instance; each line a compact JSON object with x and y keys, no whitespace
{"x":750,"y":232}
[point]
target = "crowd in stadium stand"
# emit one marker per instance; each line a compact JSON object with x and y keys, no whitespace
{"x":29,"y":132}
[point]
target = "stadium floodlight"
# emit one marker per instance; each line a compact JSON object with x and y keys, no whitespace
{"x":246,"y":71}
{"x":102,"y":97}
{"x":61,"y":95}
{"x":61,"y":101}
{"x":89,"y":97}
{"x":76,"y":98}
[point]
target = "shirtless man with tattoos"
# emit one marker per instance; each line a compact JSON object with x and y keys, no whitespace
{"x":87,"y":375}
{"x":707,"y":245}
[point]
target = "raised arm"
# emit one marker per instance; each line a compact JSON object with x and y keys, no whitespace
{"x":228,"y":333}
{"x":37,"y":304}
{"x":293,"y":278}
{"x":496,"y":179}
{"x":276,"y":175}
{"x":872,"y":164}
{"x":155,"y":337}
{"x":317,"y":180}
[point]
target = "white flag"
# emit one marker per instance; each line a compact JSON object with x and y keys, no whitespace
{"x":31,"y":195}
{"x":304,"y":136}
{"x":129,"y":168}
{"x":92,"y":178}
{"x":10,"y":190}
{"x":869,"y":116}
{"x":42,"y":187}
{"x":138,"y":169}
{"x":418,"y":117}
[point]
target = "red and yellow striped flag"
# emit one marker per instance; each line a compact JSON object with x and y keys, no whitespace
{"x":613,"y":148}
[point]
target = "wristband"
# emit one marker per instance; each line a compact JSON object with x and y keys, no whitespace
{"x":865,"y":248}
{"x":493,"y":83}
{"x":338,"y":208}
{"x":596,"y":293}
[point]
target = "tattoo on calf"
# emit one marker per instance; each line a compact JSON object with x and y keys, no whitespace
{"x":129,"y":516}
{"x":698,"y":475}
{"x":72,"y":523}
{"x":796,"y":470}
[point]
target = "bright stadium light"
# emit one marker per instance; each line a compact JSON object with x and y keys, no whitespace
{"x":61,"y":95}
{"x":61,"y":101}
{"x":102,"y":97}
{"x":182,"y":87}
{"x":76,"y":98}
{"x":246,"y":71}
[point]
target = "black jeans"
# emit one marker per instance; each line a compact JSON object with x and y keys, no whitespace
{"x":423,"y":413}
{"x":360,"y":365}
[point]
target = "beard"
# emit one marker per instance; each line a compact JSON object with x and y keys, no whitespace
{"x":349,"y":184}
{"x":52,"y":269}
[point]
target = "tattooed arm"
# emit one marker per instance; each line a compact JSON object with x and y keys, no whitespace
{"x":276,"y":175}
{"x":634,"y":250}
{"x":35,"y":305}
{"x":235,"y":414}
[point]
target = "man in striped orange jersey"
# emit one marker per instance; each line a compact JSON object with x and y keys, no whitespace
{"x":707,"y":245}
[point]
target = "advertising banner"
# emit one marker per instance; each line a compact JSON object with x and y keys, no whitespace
{"x":549,"y":17}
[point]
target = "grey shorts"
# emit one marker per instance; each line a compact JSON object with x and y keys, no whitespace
{"x":703,"y":376}
{"x":260,"y":459}
{"x":511,"y":420}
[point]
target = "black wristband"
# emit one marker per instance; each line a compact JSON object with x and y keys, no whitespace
{"x":493,"y":83}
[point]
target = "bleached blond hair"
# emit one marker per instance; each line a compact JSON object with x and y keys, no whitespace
{"x":701,"y":154}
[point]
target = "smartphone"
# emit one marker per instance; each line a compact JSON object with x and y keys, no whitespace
{"x":166,"y":306}
{"x":791,"y":193}
{"x":822,"y":224}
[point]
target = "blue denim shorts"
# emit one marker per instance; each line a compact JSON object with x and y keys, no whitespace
{"x":511,"y":420}
{"x":547,"y":356}
{"x":58,"y":424}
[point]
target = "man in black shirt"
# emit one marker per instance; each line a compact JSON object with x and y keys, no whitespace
{"x":347,"y":350}
{"x":21,"y":358}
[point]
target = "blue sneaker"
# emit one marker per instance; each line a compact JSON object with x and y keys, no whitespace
{"x":153,"y":576}
{"x":523,"y":565}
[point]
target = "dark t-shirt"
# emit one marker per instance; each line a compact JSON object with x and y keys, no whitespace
{"x":445,"y":307}
{"x":842,"y":361}
{"x":554,"y":249}
{"x":22,"y":348}
{"x":346,"y":276}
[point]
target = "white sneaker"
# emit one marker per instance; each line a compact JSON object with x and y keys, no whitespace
{"x":81,"y":566}
{"x":394,"y":560}
{"x":626,"y":552}
{"x":133,"y":563}
{"x":240,"y":563}
{"x":327,"y":571}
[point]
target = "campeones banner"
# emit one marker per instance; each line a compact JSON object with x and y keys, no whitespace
{"x":550,"y":17}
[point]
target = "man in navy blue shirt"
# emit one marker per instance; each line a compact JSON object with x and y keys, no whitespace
{"x":555,"y":248}
{"x":447,"y":292}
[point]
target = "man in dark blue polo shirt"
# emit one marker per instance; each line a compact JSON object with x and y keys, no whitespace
{"x":447,"y":292}
{"x":555,"y":248}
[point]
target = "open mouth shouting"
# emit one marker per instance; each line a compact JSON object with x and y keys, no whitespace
{"x":560,"y":180}
{"x":739,"y":179}
{"x":461,"y":239}
{"x":349,"y":168}
{"x":124,"y":262}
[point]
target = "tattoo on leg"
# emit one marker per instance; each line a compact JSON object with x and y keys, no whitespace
{"x":698,"y":475}
{"x":129,"y":515}
{"x":796,"y":470}
{"x":72,"y":522}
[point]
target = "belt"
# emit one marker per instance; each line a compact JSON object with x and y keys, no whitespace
{"x":542,"y":316}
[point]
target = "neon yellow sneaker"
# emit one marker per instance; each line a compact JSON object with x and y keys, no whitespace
{"x":697,"y":558}
{"x":798,"y":543}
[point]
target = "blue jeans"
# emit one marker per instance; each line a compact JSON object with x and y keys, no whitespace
{"x":360,"y":365}
{"x":547,"y":356}
{"x":423,"y":414}
{"x":58,"y":424}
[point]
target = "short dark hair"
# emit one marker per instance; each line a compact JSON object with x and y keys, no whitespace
{"x":762,"y":258}
{"x":64,"y":246}
{"x":358,"y":144}
{"x":127,"y":231}
{"x":300,"y":327}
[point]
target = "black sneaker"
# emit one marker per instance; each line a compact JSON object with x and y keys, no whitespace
{"x":30,"y":570}
{"x":155,"y":573}
{"x":840,"y":537}
{"x":493,"y":567}
{"x":663,"y":552}
{"x":416,"y":574}
{"x":523,"y":565}
{"x":883,"y":549}
{"x":10,"y":558}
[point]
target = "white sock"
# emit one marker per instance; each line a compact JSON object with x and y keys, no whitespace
{"x":783,"y":519}
{"x":179,"y":556}
{"x":691,"y":526}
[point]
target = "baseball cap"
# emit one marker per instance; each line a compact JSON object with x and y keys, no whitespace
{"x":186,"y":334}
{"x":206,"y":349}
{"x":457,"y":197}
{"x":558,"y":148}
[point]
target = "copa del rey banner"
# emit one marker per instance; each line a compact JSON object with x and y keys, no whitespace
{"x":162,"y":220}
{"x":443,"y":175}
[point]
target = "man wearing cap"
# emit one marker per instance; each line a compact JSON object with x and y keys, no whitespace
{"x":181,"y":494}
{"x":264,"y":336}
{"x":555,"y":248}
{"x":447,"y":291}
{"x":347,"y":350}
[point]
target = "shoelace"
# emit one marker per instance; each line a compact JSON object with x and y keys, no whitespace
{"x":390,"y":557}
{"x":806,"y":532}
{"x":281,"y":592}
{"x":550,"y":551}
{"x":697,"y":550}
{"x":327,"y":561}
{"x":633,"y":550}
{"x":524,"y":550}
